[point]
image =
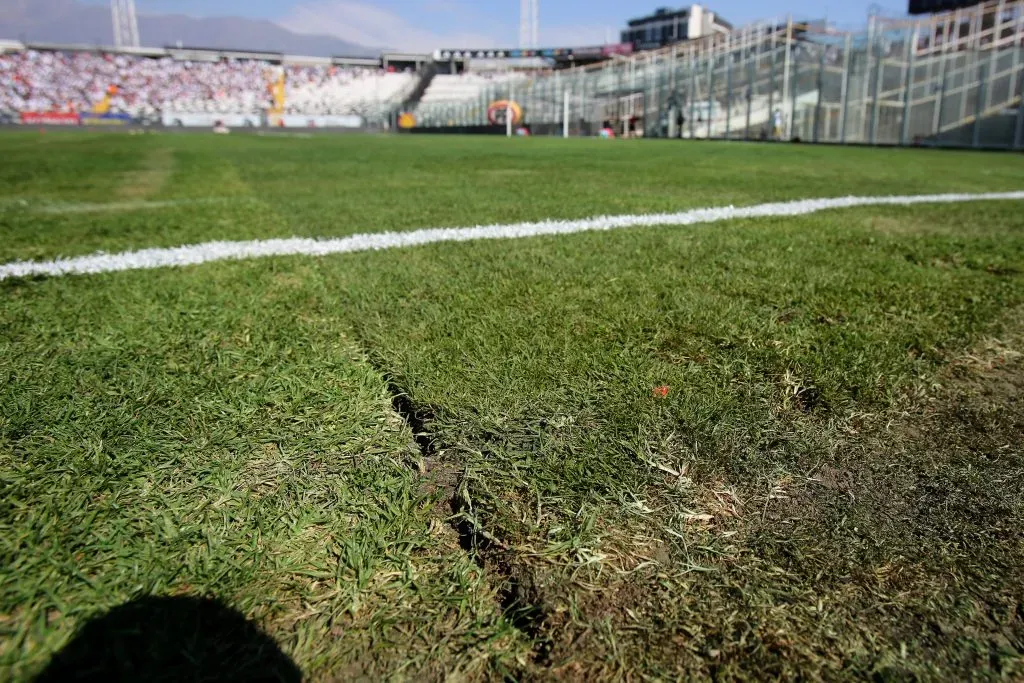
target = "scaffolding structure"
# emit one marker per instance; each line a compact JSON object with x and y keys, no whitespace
{"x":951,"y":79}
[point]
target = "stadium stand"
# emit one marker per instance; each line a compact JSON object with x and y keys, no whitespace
{"x":465,"y":86}
{"x":58,"y":81}
{"x":954,"y":78}
{"x":313,"y":90}
{"x":69,"y":81}
{"x":950,"y":79}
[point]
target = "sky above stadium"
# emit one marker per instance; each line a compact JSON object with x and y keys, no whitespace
{"x":429,"y":24}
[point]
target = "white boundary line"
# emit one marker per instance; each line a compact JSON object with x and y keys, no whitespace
{"x":194,"y":254}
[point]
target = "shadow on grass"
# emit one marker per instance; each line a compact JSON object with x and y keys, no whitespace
{"x":171,"y":639}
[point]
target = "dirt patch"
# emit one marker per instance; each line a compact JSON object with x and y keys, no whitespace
{"x":907,"y":225}
{"x":506,"y":172}
{"x":893,"y":551}
{"x":869,"y":546}
{"x":150,"y":178}
{"x":993,"y":370}
{"x":441,"y":477}
{"x":803,"y":395}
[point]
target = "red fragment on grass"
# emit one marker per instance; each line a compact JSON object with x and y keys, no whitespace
{"x":661,"y":392}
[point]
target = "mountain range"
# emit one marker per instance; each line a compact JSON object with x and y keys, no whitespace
{"x":70,"y":21}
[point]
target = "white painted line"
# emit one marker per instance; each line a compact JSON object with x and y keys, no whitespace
{"x":222,"y":251}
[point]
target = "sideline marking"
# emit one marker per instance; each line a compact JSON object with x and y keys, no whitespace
{"x":194,"y":254}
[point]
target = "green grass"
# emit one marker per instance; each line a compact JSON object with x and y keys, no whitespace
{"x":450,"y":460}
{"x":256,"y":187}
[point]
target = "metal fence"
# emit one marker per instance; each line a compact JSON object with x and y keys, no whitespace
{"x":953,"y":79}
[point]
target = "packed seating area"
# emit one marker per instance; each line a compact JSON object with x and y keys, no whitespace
{"x":82,"y":81}
{"x":316,"y":90}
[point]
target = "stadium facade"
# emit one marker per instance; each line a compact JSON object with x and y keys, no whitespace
{"x":666,"y":26}
{"x":936,"y":6}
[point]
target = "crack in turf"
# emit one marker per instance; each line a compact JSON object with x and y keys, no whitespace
{"x":522,"y":607}
{"x":517,"y":595}
{"x":472,"y":537}
{"x":416,"y":419}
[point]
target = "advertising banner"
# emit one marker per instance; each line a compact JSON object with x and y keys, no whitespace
{"x":204,"y":120}
{"x":407,"y":120}
{"x":498,"y":112}
{"x":49,"y":118}
{"x":557,"y":53}
{"x":173,"y":119}
{"x":329,"y":121}
{"x":617,"y":49}
{"x":107,"y":119}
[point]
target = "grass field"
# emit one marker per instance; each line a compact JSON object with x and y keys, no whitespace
{"x":777,"y":447}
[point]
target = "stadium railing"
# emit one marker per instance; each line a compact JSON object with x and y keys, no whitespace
{"x":951,"y":79}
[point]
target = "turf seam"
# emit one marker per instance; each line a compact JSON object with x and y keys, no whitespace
{"x":195,"y":254}
{"x":488,"y":552}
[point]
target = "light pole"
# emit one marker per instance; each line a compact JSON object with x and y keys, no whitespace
{"x":126,"y":23}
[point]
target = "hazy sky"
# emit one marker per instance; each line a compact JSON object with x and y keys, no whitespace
{"x":428,"y":24}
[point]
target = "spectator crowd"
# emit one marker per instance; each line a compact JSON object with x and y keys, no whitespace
{"x":35,"y":81}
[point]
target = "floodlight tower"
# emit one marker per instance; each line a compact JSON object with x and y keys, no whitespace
{"x":529,"y":23}
{"x":126,"y":23}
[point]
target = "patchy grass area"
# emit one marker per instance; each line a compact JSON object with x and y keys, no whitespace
{"x":786,"y":447}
